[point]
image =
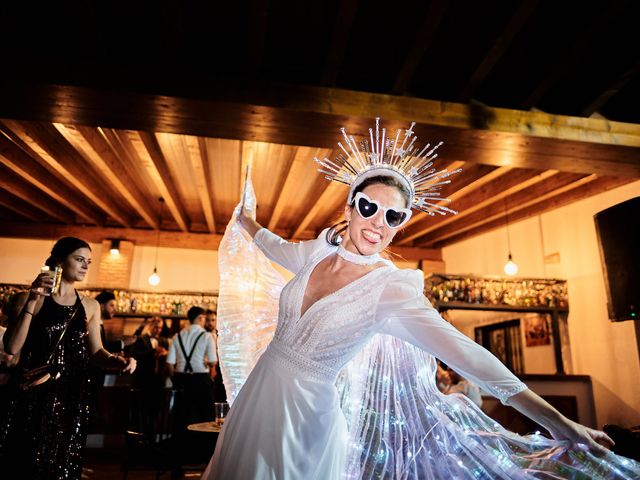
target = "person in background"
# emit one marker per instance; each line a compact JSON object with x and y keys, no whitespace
{"x":150,"y":350}
{"x":461,"y":385}
{"x":107,"y":301}
{"x":211,"y":325}
{"x":191,"y":355}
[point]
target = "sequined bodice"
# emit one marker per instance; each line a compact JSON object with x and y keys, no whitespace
{"x":71,"y":356}
{"x":332,"y":330}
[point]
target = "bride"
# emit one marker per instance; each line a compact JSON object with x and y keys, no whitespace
{"x":349,"y":306}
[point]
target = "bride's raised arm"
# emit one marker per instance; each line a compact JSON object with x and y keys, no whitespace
{"x":290,"y":255}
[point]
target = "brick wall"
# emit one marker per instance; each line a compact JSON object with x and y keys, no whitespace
{"x":114,"y":271}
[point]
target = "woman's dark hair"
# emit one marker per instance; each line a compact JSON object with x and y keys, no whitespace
{"x":334,"y":234}
{"x":63,"y":248}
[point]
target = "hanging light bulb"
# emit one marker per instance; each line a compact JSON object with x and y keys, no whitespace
{"x":154,"y":278}
{"x":511,"y":267}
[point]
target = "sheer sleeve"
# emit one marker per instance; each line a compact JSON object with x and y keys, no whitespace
{"x":290,"y":255}
{"x":405,"y":313}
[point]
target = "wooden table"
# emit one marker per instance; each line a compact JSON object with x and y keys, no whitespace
{"x":210,"y":427}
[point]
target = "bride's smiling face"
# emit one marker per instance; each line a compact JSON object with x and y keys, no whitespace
{"x":367,"y":236}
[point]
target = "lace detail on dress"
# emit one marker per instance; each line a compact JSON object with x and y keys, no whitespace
{"x":505,"y":394}
{"x":299,"y":365}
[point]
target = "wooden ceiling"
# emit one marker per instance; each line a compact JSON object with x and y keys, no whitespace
{"x":91,"y":140}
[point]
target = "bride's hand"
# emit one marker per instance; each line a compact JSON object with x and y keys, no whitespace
{"x":581,"y":436}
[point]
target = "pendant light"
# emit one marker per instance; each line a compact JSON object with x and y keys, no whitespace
{"x":154,"y":278}
{"x":511,"y":267}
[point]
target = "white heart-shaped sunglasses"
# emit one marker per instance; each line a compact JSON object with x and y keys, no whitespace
{"x":393,"y":217}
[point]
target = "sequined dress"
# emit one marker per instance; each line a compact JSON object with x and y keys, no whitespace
{"x":43,"y":434}
{"x":289,"y":421}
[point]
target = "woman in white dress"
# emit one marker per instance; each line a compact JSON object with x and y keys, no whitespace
{"x":287,"y":423}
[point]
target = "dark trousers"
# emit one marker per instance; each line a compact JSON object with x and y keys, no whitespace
{"x":194,"y":405}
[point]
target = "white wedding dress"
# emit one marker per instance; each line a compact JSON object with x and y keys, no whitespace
{"x":347,"y":388}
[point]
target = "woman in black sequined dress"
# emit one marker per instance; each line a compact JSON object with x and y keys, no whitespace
{"x":43,"y":432}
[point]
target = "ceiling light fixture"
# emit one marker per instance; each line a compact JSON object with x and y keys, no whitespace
{"x":154,"y":278}
{"x":115,"y":246}
{"x":511,"y":267}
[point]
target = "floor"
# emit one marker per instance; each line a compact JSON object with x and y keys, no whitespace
{"x":106,"y":465}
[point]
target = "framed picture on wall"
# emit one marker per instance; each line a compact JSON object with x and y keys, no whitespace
{"x":537,"y":331}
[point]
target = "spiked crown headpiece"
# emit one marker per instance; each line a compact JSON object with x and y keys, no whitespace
{"x":400,"y":158}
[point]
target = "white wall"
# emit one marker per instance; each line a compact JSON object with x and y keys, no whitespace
{"x":604,"y":350}
{"x":179,"y":269}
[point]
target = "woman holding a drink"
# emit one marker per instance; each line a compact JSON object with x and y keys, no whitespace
{"x":57,"y":332}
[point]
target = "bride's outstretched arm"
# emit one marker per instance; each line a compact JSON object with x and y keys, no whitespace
{"x":405,"y":313}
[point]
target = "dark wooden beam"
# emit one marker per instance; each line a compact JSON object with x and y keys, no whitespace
{"x":150,"y":154}
{"x":421,"y":44}
{"x":93,"y":145}
{"x":497,"y":208}
{"x":198,"y":241}
{"x":312,"y":116}
{"x":613,"y":88}
{"x":20,"y":188}
{"x":22,"y":208}
{"x":502,"y":43}
{"x":22,"y":164}
{"x":597,"y":185}
{"x":567,"y":59}
{"x":339,"y":40}
{"x":49,"y":148}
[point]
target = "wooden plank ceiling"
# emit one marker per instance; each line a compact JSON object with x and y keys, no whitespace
{"x":59,"y":174}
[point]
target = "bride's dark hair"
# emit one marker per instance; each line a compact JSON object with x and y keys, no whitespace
{"x":334,"y":234}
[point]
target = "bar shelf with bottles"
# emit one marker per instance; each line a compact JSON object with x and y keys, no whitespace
{"x":495,"y":291}
{"x":138,"y":303}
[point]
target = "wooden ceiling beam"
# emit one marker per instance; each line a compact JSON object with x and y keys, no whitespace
{"x":339,"y":41}
{"x":149,"y":153}
{"x":25,"y":166}
{"x":94,"y":147}
{"x":507,"y":183}
{"x":20,"y":188}
{"x":501,"y":44}
{"x":287,"y":185}
{"x":422,"y":42}
{"x":143,"y":237}
{"x":197,"y":148}
{"x":553,"y":185}
{"x":22,"y":208}
{"x":315,"y":207}
{"x":48,"y":148}
{"x":190,"y":240}
{"x":312,"y":116}
{"x":585,"y":188}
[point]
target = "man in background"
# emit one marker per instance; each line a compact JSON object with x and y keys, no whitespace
{"x":211,"y":325}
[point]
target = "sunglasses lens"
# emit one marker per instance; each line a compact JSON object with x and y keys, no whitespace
{"x":395,"y":218}
{"x":366,"y":209}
